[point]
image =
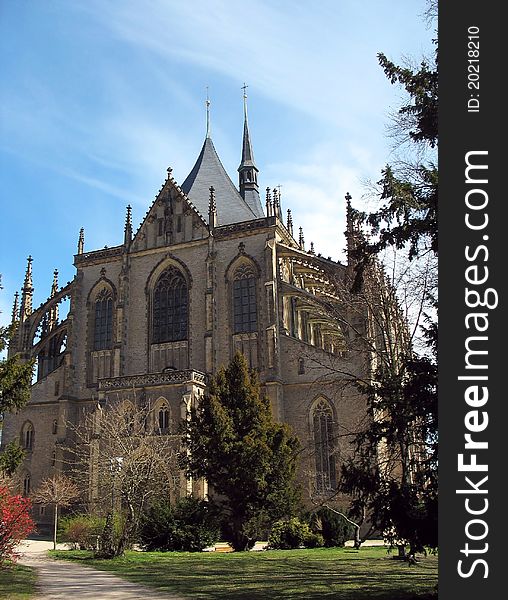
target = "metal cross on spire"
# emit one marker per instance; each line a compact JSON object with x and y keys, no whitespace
{"x":244,"y":88}
{"x":207,"y":104}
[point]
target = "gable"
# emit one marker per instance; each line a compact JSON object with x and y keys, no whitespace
{"x":172,"y":219}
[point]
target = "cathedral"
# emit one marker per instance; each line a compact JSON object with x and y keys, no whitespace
{"x":213,"y":268}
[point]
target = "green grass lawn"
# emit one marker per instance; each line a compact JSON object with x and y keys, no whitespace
{"x":17,"y":582}
{"x":338,"y":573}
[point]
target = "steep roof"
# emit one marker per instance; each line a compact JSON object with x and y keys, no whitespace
{"x":208,"y":171}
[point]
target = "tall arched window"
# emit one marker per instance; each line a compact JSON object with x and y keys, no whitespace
{"x":26,"y":485}
{"x":163,"y":417}
{"x":322,"y":425}
{"x":244,"y":300}
{"x":170,"y":307}
{"x":103,"y":323}
{"x":27,"y":436}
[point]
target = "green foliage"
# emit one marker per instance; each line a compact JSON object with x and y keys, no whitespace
{"x":189,"y":526}
{"x":81,"y":531}
{"x":15,"y":382}
{"x":407,"y":215}
{"x":233,"y":441}
{"x":392,"y":475}
{"x":10,"y":458}
{"x":291,"y":533}
{"x":398,"y":485}
{"x":334,"y":529}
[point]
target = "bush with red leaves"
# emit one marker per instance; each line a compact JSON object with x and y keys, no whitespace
{"x":15,"y":523}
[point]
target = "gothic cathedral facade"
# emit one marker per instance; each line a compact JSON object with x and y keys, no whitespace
{"x":211,"y":270}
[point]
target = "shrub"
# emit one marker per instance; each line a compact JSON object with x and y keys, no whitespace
{"x":81,"y":531}
{"x":333,"y":527}
{"x":292,"y":533}
{"x":189,"y":526}
{"x":15,"y":523}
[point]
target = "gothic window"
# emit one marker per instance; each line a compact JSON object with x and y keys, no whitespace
{"x":103,"y":324}
{"x":301,"y":366}
{"x":54,"y":427}
{"x":244,"y":300}
{"x":163,"y":418}
{"x":322,"y":425}
{"x":26,"y":485}
{"x":27,"y":436}
{"x":170,"y":310}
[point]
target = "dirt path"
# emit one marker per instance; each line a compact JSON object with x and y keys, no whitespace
{"x":59,"y":579}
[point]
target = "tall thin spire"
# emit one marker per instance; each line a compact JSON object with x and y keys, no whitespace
{"x":81,"y":241}
{"x":27,"y":292}
{"x":301,"y":239}
{"x":54,"y":285}
{"x":207,"y":104}
{"x":212,"y":209}
{"x":127,"y":238}
{"x":247,"y":171}
{"x":15,"y":309}
{"x":53,"y":312}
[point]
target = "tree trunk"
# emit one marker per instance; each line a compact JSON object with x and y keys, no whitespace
{"x":55,"y":526}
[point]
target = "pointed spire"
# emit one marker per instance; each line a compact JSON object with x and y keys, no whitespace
{"x":290,"y":222}
{"x":301,"y":240}
{"x":311,"y":251}
{"x":247,"y":171}
{"x":127,"y":238}
{"x":212,"y":209}
{"x":269,"y":205}
{"x":27,"y":292}
{"x":81,"y":241}
{"x":53,"y":312}
{"x":54,"y":286}
{"x":207,"y":104}
{"x":15,"y":309}
{"x":276,"y":203}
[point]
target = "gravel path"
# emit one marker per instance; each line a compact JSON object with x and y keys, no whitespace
{"x":59,"y":579}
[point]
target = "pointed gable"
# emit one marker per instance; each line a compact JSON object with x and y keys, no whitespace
{"x":171,"y":219}
{"x":208,"y":171}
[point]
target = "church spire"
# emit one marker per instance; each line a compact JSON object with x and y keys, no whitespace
{"x":247,"y":171}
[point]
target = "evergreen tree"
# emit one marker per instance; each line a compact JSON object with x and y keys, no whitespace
{"x":393,"y":473}
{"x":233,"y":441}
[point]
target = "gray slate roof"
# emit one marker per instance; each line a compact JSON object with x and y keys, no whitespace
{"x":208,"y":171}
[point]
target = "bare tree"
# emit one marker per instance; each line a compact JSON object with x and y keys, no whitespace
{"x":58,"y":490}
{"x":124,"y":460}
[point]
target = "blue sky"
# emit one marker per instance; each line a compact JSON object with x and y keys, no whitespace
{"x":99,"y":97}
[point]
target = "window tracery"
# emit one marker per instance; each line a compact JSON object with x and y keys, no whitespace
{"x":323,"y":433}
{"x":170,"y":307}
{"x":244,"y":300}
